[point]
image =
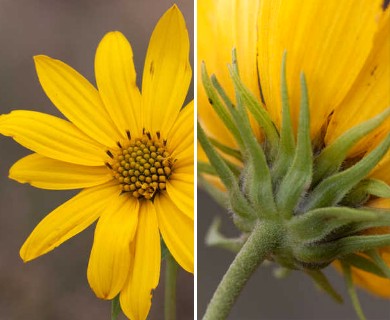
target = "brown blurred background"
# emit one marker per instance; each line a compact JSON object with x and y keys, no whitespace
{"x":54,"y":287}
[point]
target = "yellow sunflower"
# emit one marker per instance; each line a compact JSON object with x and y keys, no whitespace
{"x":343,"y":48}
{"x":131,"y":153}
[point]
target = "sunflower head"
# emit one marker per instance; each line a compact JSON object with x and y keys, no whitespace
{"x":142,"y":166}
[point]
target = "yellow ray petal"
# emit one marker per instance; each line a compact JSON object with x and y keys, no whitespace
{"x":68,"y":220}
{"x":116,"y":81}
{"x":135,"y":297}
{"x":46,"y":173}
{"x":181,"y":135}
{"x":51,"y":137}
{"x":222,"y":26}
{"x":177,"y":231}
{"x":369,"y":95}
{"x":109,"y":262}
{"x":187,"y":170}
{"x":182,"y":194}
{"x":167,"y":72}
{"x":77,"y":99}
{"x":329,"y":42}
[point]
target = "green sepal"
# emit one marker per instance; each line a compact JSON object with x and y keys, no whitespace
{"x":257,"y":178}
{"x":115,"y":308}
{"x":218,"y":106}
{"x":323,"y":283}
{"x":226,"y":150}
{"x":351,"y":290}
{"x":238,"y":202}
{"x":366,"y":188}
{"x":219,"y":196}
{"x":329,"y":251}
{"x":287,"y":143}
{"x":376,"y":257}
{"x":215,"y":238}
{"x":331,"y":158}
{"x":206,"y":168}
{"x":375,"y":187}
{"x":362,"y":263}
{"x":324,"y":194}
{"x":316,"y":225}
{"x":222,"y":93}
{"x":259,"y":113}
{"x":299,"y":174}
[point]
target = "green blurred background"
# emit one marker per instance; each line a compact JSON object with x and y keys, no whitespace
{"x":54,"y":287}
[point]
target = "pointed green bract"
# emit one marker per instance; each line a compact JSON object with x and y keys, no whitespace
{"x":324,"y":194}
{"x":218,"y":105}
{"x":287,"y":143}
{"x":351,"y":291}
{"x":299,"y":174}
{"x":376,"y":257}
{"x":331,"y":158}
{"x":257,"y":179}
{"x":238,"y":202}
{"x":215,"y":238}
{"x":259,"y":113}
{"x":321,"y":280}
{"x":361,"y":262}
{"x":227,"y":150}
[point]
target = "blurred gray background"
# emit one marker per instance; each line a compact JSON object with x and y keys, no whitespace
{"x":54,"y":287}
{"x":268,"y":298}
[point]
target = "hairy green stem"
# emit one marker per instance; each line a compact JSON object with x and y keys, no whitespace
{"x":262,"y":241}
{"x":170,"y":288}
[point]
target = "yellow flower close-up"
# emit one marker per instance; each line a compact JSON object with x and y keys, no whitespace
{"x":130,"y":152}
{"x":343,"y":49}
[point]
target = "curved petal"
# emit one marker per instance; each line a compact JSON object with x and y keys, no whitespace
{"x":369,"y":95}
{"x":177,"y":231}
{"x":77,"y":99}
{"x":324,"y":37}
{"x":222,"y":26}
{"x":135,"y":297}
{"x":181,"y":136}
{"x":116,"y":81}
{"x":46,"y":173}
{"x":52,"y":137}
{"x":109,"y":263}
{"x":167,"y":72}
{"x":182,"y":194}
{"x":68,"y":220}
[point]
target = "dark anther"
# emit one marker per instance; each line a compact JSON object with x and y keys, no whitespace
{"x":108,"y":165}
{"x":149,"y":136}
{"x":211,"y":101}
{"x":119,"y":144}
{"x":110,"y":154}
{"x":128,"y":134}
{"x":158,"y":134}
{"x":165,"y":142}
{"x":143,"y":131}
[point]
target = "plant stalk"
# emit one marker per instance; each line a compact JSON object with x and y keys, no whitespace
{"x":262,"y":241}
{"x":170,"y":288}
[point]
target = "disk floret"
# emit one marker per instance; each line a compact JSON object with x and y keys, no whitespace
{"x":142,"y":166}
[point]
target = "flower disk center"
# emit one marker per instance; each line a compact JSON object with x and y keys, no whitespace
{"x":142,"y":167}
